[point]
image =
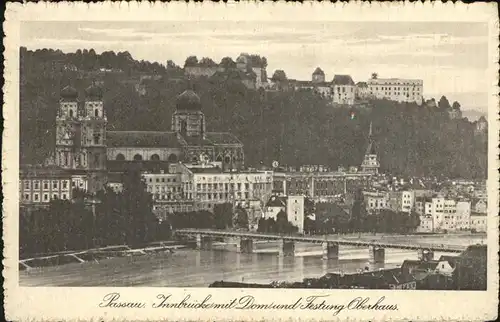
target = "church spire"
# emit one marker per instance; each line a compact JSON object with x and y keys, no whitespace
{"x":370,"y":162}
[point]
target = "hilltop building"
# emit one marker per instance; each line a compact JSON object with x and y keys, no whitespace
{"x":370,"y":162}
{"x":343,"y":90}
{"x":396,"y":89}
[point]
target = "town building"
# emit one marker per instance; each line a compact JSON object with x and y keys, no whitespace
{"x":446,"y":214}
{"x":320,"y":186}
{"x":478,"y":222}
{"x":370,"y":162}
{"x":343,"y":90}
{"x":396,"y":89}
{"x":291,"y":205}
{"x":401,"y":201}
{"x":376,"y":201}
{"x":38,"y":185}
{"x":480,"y":205}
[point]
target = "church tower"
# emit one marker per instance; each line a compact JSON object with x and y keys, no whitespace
{"x":67,"y":127}
{"x":93,"y":130}
{"x":370,"y":163}
{"x":93,"y":137}
{"x":188,"y":119}
{"x":80,"y":135}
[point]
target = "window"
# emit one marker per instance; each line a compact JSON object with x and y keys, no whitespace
{"x":64,"y":196}
{"x":70,"y":113}
{"x":27,"y":196}
{"x":26,"y":185}
{"x":120,"y":157}
{"x":36,"y":185}
{"x":55,"y":196}
{"x":137,"y":157}
{"x":96,"y":112}
{"x":155,"y":157}
{"x":36,"y":197}
{"x":45,"y":185}
{"x":55,"y":184}
{"x":65,"y":184}
{"x":45,"y":197}
{"x":97,"y":138}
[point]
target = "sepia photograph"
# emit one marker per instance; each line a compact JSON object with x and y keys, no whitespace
{"x":143,"y":163}
{"x":236,"y":154}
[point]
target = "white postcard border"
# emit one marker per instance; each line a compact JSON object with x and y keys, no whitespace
{"x":83,"y":303}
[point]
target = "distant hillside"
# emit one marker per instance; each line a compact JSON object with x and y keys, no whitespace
{"x":291,"y":127}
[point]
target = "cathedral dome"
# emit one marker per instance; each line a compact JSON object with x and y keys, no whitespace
{"x":69,"y":93}
{"x":93,"y":92}
{"x":188,"y":101}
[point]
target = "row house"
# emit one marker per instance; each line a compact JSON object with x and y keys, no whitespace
{"x":446,"y":214}
{"x":38,"y":185}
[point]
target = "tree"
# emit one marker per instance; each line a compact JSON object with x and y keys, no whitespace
{"x":227,"y":62}
{"x":358,"y":212}
{"x":281,"y":222}
{"x":223,"y":215}
{"x":191,"y":61}
{"x":171,"y":64}
{"x":444,"y":104}
{"x":137,"y":208}
{"x":279,"y":76}
{"x":207,"y":62}
{"x":241,"y":218}
{"x":456,"y":106}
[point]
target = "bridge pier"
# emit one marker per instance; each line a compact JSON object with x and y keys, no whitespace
{"x":203,"y":242}
{"x":377,"y":255}
{"x":425,"y":255}
{"x":330,"y":250}
{"x":286,"y":248}
{"x":244,"y":245}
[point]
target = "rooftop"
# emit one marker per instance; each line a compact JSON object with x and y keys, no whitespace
{"x":142,"y":139}
{"x":343,"y":80}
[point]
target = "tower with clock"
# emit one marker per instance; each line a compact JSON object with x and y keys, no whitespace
{"x":81,"y":135}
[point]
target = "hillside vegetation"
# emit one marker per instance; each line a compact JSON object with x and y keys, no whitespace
{"x":295,"y":127}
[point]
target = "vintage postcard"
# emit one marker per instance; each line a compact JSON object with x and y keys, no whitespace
{"x":251,"y":161}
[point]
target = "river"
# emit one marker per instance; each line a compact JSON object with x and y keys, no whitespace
{"x":193,"y":268}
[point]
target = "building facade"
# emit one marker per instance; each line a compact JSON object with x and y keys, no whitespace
{"x":343,"y":90}
{"x":38,"y":185}
{"x":81,"y":134}
{"x":396,"y":89}
{"x":186,"y":142}
{"x":292,"y":206}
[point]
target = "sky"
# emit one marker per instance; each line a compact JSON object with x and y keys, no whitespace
{"x":450,"y":57}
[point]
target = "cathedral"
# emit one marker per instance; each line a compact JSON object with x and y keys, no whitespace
{"x":84,"y":146}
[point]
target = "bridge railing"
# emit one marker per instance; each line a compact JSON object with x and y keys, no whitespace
{"x":319,"y":239}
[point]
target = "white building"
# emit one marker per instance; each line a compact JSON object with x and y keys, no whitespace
{"x":397,"y":89}
{"x":376,"y":201}
{"x":293,"y":206}
{"x":446,"y":214}
{"x":401,"y":201}
{"x":343,"y":90}
{"x":478,"y":222}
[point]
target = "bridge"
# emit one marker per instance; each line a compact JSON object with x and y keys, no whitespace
{"x":286,"y":243}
